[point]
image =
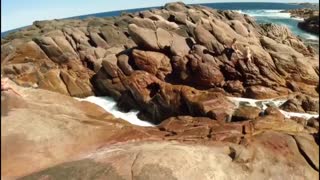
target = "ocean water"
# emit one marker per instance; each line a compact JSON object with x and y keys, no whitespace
{"x":263,"y":104}
{"x":262,"y":12}
{"x":277,"y":17}
{"x":109,"y":105}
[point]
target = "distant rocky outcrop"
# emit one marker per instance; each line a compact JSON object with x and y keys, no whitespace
{"x":314,"y":6}
{"x":310,"y":16}
{"x":310,"y":24}
{"x":304,"y":13}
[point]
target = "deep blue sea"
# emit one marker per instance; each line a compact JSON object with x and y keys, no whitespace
{"x":262,"y":12}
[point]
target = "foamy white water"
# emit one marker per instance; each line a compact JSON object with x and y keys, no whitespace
{"x":297,"y":18}
{"x":265,"y":12}
{"x":300,"y":115}
{"x":277,"y":17}
{"x":109,"y":105}
{"x":263,"y":104}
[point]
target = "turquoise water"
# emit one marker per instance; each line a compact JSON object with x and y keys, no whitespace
{"x":262,"y":12}
{"x":276,"y":17}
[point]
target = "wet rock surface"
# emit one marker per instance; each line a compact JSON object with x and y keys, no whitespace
{"x":310,"y":18}
{"x":301,"y":103}
{"x":310,"y":24}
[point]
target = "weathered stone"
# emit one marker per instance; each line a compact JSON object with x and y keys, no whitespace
{"x":245,"y":113}
{"x":155,"y":63}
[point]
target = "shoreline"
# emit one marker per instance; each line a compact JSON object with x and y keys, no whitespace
{"x":87,"y":84}
{"x":308,"y":17}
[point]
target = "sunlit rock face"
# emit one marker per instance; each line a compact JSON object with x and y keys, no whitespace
{"x":46,"y":134}
{"x":165,"y":69}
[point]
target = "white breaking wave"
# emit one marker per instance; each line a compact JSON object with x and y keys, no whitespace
{"x":311,"y":37}
{"x":278,"y":17}
{"x":300,"y":115}
{"x":262,"y":103}
{"x":109,"y":105}
{"x":298,"y":18}
{"x":266,"y":13}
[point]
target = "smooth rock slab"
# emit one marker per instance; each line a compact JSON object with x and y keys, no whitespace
{"x":175,"y":161}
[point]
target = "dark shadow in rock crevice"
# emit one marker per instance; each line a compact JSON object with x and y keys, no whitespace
{"x":154,"y":89}
{"x":305,"y":155}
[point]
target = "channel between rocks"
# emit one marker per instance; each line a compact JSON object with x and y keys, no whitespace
{"x":110,"y":105}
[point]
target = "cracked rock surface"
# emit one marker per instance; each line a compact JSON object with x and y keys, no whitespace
{"x":169,"y":64}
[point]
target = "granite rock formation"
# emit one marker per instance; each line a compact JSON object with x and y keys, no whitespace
{"x":311,"y":19}
{"x":310,"y":24}
{"x":170,"y":64}
{"x":49,"y":135}
{"x":83,"y":57}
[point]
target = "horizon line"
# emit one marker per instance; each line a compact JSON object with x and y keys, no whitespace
{"x":110,"y":11}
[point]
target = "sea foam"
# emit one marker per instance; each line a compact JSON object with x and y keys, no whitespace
{"x":263,"y":104}
{"x":277,"y":17}
{"x":109,"y":105}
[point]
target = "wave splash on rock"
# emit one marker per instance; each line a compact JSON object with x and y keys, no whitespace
{"x":179,"y":78}
{"x":282,"y":17}
{"x":109,"y":105}
{"x":264,"y":104}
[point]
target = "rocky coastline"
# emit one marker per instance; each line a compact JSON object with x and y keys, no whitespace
{"x":310,"y":18}
{"x":310,"y":24}
{"x":169,"y":64}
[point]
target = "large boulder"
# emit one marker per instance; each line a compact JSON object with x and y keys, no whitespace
{"x":155,"y":63}
{"x":310,"y":24}
{"x":161,"y":100}
{"x":245,"y":113}
{"x":43,"y":128}
{"x":301,"y":103}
